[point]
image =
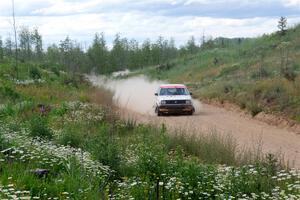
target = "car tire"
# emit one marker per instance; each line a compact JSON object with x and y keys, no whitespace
{"x":157,"y":112}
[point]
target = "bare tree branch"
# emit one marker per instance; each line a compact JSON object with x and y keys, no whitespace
{"x":16,"y":41}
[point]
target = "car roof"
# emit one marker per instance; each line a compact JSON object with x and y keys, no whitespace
{"x":172,"y":86}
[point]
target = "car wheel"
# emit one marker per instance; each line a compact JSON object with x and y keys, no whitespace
{"x":159,"y":113}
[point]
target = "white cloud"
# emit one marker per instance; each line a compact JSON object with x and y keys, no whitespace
{"x":291,"y":3}
{"x":80,"y":19}
{"x":141,"y":26}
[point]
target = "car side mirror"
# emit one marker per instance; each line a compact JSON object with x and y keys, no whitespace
{"x":191,"y":93}
{"x":156,"y":94}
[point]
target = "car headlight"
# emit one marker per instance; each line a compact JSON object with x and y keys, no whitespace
{"x":189,"y":102}
{"x":163,"y":102}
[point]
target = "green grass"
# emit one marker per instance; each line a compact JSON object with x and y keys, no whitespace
{"x":91,"y":153}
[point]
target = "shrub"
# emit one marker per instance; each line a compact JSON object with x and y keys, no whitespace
{"x":7,"y":92}
{"x":254,"y":109}
{"x":106,"y":149}
{"x":39,"y":127}
{"x":229,"y":71}
{"x":151,"y":160}
{"x":260,"y":73}
{"x":35,"y":73}
{"x":2,"y":142}
{"x":61,"y":110}
{"x":73,"y":136}
{"x":273,"y":93}
{"x":289,"y":73}
{"x":7,"y":110}
{"x":227,"y":88}
{"x":55,"y":70}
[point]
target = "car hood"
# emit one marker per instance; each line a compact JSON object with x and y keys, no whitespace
{"x":174,"y":97}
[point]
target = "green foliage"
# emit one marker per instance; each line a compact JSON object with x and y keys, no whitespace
{"x":35,"y":73}
{"x":2,"y":142}
{"x":39,"y":127}
{"x":106,"y":149}
{"x":72,"y":136}
{"x":7,"y":110}
{"x":147,"y":161}
{"x":209,"y":148}
{"x":229,"y":70}
{"x":7,"y":92}
{"x":152,"y":160}
{"x":61,"y":110}
{"x":282,"y":25}
{"x":289,"y":73}
{"x":261,"y":73}
{"x":75,"y":80}
{"x":55,"y":70}
{"x":58,"y":183}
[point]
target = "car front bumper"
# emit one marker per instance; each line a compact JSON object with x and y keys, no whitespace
{"x":178,"y":108}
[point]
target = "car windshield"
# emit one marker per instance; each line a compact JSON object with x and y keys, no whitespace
{"x":173,"y":91}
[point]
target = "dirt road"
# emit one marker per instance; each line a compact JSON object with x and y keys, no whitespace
{"x":135,"y":95}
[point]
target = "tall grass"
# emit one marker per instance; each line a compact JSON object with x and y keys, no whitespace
{"x":210,"y":147}
{"x":80,"y":133}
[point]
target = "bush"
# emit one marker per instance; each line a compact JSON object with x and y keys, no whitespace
{"x":273,"y":93}
{"x":35,"y":73}
{"x":72,"y":136}
{"x":61,"y":110}
{"x":55,"y":70}
{"x":227,"y":88}
{"x":7,"y":92}
{"x":254,"y":109}
{"x":289,"y":73}
{"x":7,"y":110}
{"x":106,"y":148}
{"x":260,"y":73}
{"x":39,"y":127}
{"x":2,"y":142}
{"x":151,"y":160}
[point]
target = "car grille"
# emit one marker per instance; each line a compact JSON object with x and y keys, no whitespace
{"x":175,"y":101}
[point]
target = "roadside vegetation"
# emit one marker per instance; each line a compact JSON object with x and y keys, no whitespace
{"x":58,"y":140}
{"x":62,"y":138}
{"x":258,"y":74}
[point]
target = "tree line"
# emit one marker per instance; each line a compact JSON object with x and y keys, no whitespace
{"x":125,"y":53}
{"x":70,"y":55}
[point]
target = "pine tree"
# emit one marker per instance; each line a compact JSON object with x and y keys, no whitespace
{"x":98,"y":54}
{"x":282,"y":25}
{"x":38,"y":44}
{"x":1,"y":49}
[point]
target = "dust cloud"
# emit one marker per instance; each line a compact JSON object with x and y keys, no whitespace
{"x":134,"y":93}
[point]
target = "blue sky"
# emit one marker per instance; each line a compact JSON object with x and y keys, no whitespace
{"x":180,"y":19}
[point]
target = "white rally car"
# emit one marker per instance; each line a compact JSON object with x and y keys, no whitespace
{"x":173,"y":98}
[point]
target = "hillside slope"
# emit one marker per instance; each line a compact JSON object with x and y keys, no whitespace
{"x":260,"y":74}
